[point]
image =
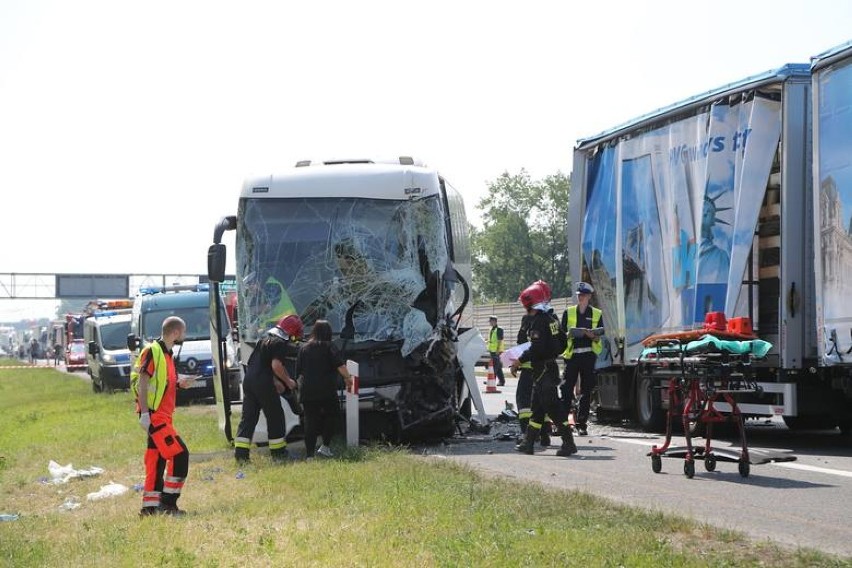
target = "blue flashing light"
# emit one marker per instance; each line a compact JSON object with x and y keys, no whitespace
{"x":163,"y":289}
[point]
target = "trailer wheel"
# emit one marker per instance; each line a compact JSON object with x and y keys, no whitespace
{"x":710,"y":462}
{"x":656,"y":463}
{"x":649,"y":411}
{"x":745,"y":468}
{"x":689,"y":468}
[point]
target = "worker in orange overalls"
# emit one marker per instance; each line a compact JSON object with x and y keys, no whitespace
{"x":154,"y":380}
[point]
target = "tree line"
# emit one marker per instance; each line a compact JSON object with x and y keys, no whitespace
{"x":523,"y":237}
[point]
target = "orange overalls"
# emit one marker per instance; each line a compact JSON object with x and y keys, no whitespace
{"x":165,"y":446}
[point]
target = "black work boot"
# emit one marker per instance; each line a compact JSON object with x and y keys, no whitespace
{"x":280,"y":456}
{"x":168,"y":506}
{"x":528,"y":445}
{"x":524,"y":422}
{"x":568,"y":446}
{"x":546,"y":429}
{"x":242,"y":455}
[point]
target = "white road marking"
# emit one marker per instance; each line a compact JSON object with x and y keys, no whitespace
{"x":803,"y":467}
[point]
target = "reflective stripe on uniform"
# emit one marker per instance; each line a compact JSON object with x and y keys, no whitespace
{"x":524,"y":413}
{"x":533,"y":424}
{"x":242,"y":443}
{"x":151,"y":499}
{"x":173,"y":485}
{"x":583,"y":350}
{"x":277,"y":443}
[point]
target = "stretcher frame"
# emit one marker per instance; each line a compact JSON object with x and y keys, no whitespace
{"x":697,"y":381}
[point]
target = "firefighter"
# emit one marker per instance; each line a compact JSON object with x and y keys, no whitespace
{"x":267,"y":378}
{"x":495,"y":348}
{"x":523,"y":394}
{"x":584,"y":346}
{"x":155,"y":382}
{"x":547,"y":341}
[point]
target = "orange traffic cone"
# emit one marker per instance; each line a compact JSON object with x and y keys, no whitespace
{"x":491,"y":380}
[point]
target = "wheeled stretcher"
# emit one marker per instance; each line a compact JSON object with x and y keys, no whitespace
{"x":703,"y":373}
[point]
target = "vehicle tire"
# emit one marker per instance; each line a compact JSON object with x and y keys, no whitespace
{"x":689,"y":468}
{"x":745,"y":468}
{"x":656,"y":463}
{"x":710,"y":462}
{"x":466,"y":409}
{"x":845,"y":427}
{"x":649,"y":411}
{"x":796,"y":423}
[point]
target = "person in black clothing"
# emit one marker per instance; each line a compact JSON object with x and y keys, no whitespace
{"x":523,"y":394}
{"x":547,"y":341}
{"x":267,"y":378}
{"x":319,"y":365}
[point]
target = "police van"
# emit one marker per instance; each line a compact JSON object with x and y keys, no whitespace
{"x":107,"y":355}
{"x":190,"y":303}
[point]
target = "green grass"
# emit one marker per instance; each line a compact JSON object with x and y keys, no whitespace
{"x":376,"y":506}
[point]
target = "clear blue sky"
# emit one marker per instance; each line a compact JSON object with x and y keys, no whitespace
{"x":131,"y":123}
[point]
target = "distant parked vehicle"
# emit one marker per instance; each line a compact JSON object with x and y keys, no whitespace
{"x":75,"y":355}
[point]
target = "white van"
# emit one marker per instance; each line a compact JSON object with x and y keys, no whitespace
{"x":107,"y":355}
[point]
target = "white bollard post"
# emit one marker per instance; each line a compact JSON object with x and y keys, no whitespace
{"x":352,"y":426}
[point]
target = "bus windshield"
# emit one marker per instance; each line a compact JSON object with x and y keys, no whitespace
{"x":371,"y":267}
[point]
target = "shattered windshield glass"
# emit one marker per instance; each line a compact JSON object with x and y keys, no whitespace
{"x":371,"y":267}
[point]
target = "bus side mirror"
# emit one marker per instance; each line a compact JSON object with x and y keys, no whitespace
{"x":216,"y":263}
{"x":132,"y":342}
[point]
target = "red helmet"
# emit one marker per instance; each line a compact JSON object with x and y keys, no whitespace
{"x":535,"y":293}
{"x":289,"y":326}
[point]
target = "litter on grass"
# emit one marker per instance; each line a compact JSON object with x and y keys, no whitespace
{"x":64,"y":473}
{"x":111,"y":489}
{"x":70,"y":504}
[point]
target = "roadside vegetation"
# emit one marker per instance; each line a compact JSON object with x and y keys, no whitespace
{"x":376,"y":506}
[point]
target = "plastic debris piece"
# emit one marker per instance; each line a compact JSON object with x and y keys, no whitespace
{"x":70,"y":504}
{"x":240,"y":475}
{"x":111,"y":489}
{"x":8,"y":517}
{"x":64,"y":473}
{"x":137,"y":487}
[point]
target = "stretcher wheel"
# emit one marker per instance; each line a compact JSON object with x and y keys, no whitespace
{"x":656,"y":463}
{"x":689,"y":469}
{"x":710,"y":462}
{"x":745,"y":468}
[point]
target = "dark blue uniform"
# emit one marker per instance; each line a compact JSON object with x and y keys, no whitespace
{"x":544,"y":332}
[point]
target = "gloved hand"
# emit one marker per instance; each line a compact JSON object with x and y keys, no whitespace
{"x":145,"y":421}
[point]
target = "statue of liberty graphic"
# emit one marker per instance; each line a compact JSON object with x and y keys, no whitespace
{"x":713,"y":262}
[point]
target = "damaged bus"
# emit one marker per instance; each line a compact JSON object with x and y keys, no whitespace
{"x":381,"y":251}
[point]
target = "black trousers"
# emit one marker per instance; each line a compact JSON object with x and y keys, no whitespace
{"x":498,"y":369}
{"x":523,"y":394}
{"x":545,"y":399}
{"x":321,"y":417}
{"x":581,"y":365}
{"x":260,"y":395}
